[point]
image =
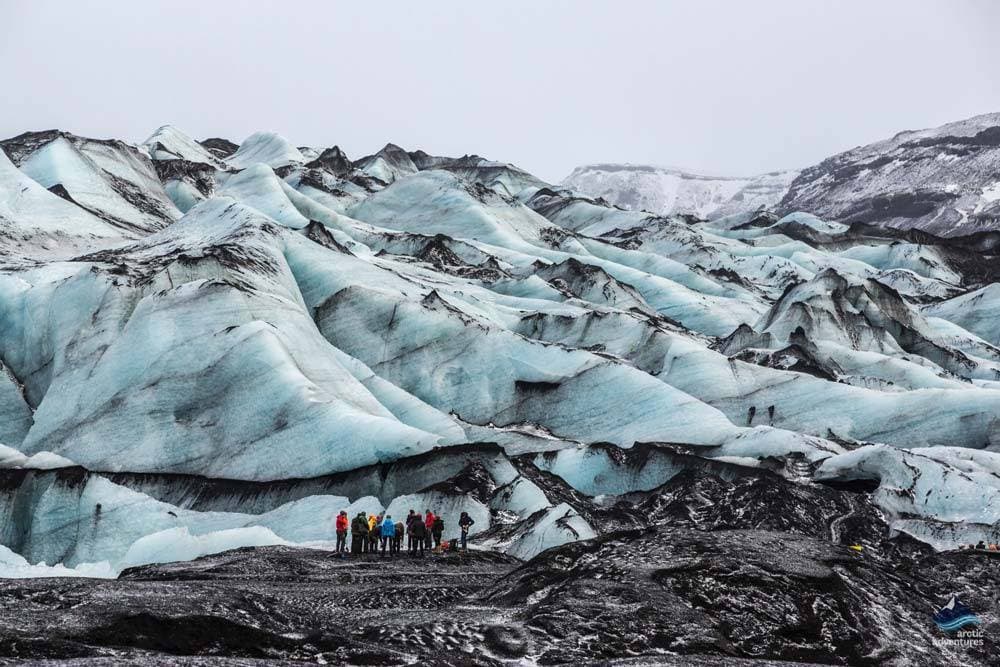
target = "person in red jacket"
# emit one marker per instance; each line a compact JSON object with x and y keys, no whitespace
{"x":342,"y":525}
{"x":429,"y":521}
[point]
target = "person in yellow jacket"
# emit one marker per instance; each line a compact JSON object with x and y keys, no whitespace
{"x":373,"y":524}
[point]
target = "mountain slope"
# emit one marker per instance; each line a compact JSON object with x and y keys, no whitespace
{"x":944,"y":180}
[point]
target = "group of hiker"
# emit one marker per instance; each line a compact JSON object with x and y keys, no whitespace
{"x":373,"y":534}
{"x":981,"y":546}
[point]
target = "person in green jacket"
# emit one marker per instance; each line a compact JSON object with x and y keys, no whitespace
{"x":359,"y":534}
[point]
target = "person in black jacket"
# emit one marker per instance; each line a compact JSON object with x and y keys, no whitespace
{"x":437,"y":528}
{"x":417,"y":532}
{"x":409,"y":533}
{"x":397,"y":540}
{"x":465,"y":522}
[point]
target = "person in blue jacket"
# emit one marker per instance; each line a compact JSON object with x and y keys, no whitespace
{"x":387,"y":531}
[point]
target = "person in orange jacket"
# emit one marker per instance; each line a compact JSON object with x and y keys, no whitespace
{"x":342,"y":524}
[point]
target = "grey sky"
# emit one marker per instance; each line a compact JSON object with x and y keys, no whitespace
{"x":721,"y":87}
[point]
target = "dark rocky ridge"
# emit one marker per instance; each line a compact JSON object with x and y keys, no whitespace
{"x":334,"y":160}
{"x":220,"y":148}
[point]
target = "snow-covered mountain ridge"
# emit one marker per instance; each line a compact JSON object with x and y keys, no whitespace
{"x":943,"y":180}
{"x":210,"y":344}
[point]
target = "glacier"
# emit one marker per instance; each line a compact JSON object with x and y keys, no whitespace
{"x":210,"y":345}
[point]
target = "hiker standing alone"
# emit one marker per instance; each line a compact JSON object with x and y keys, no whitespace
{"x":465,"y":522}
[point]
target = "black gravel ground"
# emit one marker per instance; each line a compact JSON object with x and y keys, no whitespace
{"x":725,"y":572}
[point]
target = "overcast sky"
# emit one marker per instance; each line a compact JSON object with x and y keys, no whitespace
{"x":730,"y":88}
